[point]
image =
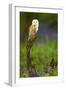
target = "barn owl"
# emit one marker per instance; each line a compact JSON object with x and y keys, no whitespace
{"x":33,"y":29}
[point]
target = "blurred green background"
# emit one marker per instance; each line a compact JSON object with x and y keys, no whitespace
{"x":46,"y":45}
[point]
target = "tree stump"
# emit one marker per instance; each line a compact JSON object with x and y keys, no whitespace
{"x":29,"y":46}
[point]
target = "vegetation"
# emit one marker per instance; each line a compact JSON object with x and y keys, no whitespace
{"x":41,"y":56}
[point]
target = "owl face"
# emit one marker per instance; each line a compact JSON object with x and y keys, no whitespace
{"x":35,"y":22}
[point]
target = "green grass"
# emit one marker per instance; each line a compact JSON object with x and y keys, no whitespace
{"x":41,"y":55}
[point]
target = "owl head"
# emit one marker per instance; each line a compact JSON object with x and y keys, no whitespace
{"x":35,"y":22}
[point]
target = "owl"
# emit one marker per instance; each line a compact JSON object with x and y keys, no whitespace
{"x":33,"y":29}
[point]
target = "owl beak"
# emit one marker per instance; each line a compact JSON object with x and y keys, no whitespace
{"x":34,"y":25}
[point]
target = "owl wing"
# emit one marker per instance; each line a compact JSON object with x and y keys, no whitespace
{"x":32,"y":32}
{"x":31,"y":37}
